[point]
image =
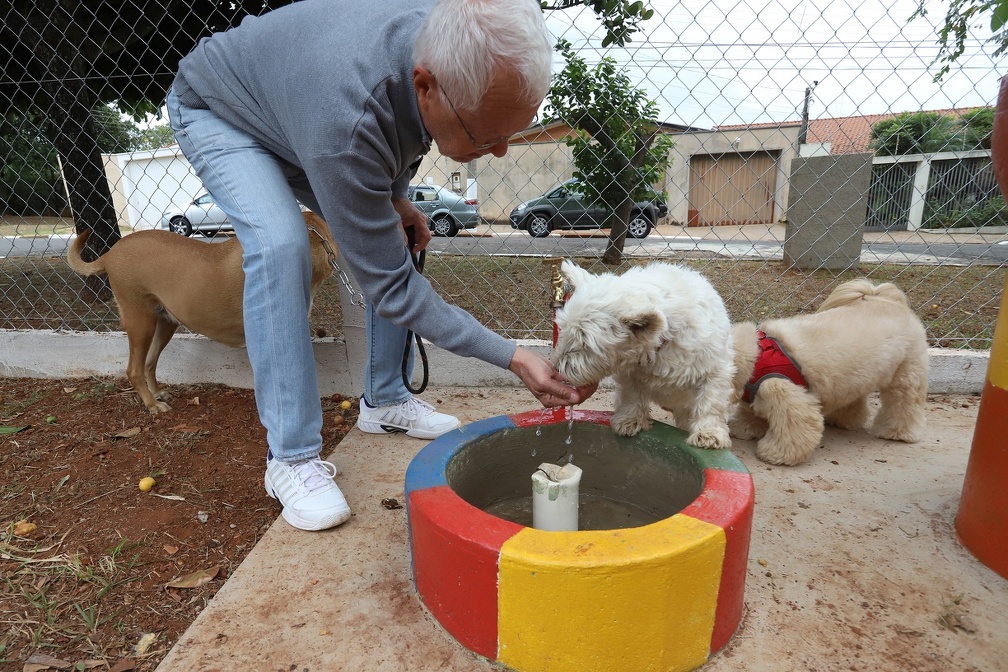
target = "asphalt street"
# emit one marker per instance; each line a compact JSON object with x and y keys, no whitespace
{"x":734,"y":242}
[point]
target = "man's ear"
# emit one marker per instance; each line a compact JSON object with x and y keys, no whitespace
{"x":424,"y":83}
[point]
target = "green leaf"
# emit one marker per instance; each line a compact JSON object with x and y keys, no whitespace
{"x":8,"y":429}
{"x":1000,"y":15}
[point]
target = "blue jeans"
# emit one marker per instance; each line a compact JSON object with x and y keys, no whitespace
{"x":383,"y":382}
{"x":260,"y":195}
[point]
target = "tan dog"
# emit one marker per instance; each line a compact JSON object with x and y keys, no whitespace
{"x":864,"y":338}
{"x":160,"y":280}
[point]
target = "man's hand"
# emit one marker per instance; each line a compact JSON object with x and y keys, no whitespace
{"x":542,"y":380}
{"x":412,"y":216}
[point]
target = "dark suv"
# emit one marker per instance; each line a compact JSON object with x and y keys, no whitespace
{"x":564,"y":207}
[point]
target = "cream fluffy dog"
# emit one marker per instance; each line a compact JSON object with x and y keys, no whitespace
{"x":663,"y":334}
{"x":864,"y":338}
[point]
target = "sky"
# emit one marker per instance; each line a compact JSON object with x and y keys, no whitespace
{"x":711,"y":63}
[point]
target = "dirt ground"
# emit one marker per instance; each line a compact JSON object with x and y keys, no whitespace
{"x":111,"y":577}
{"x":854,"y":565}
{"x":96,"y":573}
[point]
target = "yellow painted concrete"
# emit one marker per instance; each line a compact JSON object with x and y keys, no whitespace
{"x":637,"y":599}
{"x":997,"y":371}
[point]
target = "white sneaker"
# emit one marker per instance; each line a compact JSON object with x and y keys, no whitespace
{"x":414,"y":416}
{"x":311,"y":499}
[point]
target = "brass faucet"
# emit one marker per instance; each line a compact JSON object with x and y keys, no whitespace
{"x":556,"y":282}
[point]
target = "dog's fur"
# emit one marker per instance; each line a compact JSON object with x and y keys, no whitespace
{"x":160,"y":279}
{"x":663,"y":334}
{"x":864,"y":338}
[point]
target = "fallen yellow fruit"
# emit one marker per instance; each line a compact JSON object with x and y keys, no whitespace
{"x":146,"y":484}
{"x":23,"y":528}
{"x":345,"y":405}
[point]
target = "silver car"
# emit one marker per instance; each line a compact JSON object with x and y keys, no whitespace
{"x":201,"y":215}
{"x":448,"y":212}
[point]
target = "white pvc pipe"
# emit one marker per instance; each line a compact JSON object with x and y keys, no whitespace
{"x":555,"y":497}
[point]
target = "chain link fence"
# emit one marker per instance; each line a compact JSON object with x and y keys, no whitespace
{"x":807,"y":145}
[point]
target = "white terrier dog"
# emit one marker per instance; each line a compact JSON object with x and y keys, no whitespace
{"x":663,"y":334}
{"x":797,"y":373}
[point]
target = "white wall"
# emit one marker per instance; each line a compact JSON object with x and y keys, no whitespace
{"x":783,"y":139}
{"x":145,"y":184}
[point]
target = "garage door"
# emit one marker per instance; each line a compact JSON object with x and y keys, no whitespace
{"x":732,"y":189}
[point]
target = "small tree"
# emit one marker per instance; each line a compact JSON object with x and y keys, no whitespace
{"x":155,"y":137}
{"x":30,"y":182}
{"x":618,"y":150}
{"x":114,"y":134}
{"x":912,"y":133}
{"x":960,"y":16}
{"x":974,"y":129}
{"x":620,"y":18}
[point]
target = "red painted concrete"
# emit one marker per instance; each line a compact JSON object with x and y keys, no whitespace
{"x":727,"y":501}
{"x":982,"y":521}
{"x":549,"y":416}
{"x":456,"y":548}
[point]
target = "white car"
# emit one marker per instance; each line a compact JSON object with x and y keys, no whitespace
{"x":201,"y":215}
{"x":447,"y":211}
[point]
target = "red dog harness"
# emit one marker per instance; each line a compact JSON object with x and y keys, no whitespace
{"x":773,"y":361}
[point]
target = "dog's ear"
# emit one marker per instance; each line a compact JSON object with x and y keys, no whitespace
{"x":574,"y":274}
{"x":644,"y":325}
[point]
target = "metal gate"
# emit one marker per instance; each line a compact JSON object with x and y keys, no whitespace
{"x":732,"y":189}
{"x":890,"y":197}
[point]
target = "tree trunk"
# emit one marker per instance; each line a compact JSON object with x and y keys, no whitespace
{"x":621,"y":215}
{"x":618,"y":219}
{"x":63,"y":72}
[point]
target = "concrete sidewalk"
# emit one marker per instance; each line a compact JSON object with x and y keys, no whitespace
{"x":854,"y":565}
{"x":766,"y":233}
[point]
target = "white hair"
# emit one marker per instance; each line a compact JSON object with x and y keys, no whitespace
{"x":466,"y":43}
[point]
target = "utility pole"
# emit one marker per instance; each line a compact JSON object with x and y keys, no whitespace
{"x":803,"y":133}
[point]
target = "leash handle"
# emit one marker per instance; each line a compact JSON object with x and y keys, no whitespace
{"x":418,"y":264}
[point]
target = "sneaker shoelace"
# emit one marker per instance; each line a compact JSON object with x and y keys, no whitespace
{"x":315,"y":474}
{"x":415,"y":408}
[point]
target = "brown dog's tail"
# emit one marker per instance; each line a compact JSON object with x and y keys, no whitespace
{"x":856,"y":290}
{"x":74,"y":260}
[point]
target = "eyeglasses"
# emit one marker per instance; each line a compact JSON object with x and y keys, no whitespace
{"x":476,"y":145}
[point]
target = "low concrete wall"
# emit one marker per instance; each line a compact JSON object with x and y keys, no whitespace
{"x":195,"y":359}
{"x":826,"y":214}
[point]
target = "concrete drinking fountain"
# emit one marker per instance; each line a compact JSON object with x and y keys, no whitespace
{"x":544,"y":541}
{"x":652,"y":579}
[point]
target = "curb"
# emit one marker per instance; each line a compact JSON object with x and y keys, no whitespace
{"x":195,"y":359}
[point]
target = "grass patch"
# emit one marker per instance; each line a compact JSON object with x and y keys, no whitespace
{"x":958,"y":304}
{"x":12,"y":225}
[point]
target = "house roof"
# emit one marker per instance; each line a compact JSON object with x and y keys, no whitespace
{"x":846,"y":135}
{"x":557,"y":130}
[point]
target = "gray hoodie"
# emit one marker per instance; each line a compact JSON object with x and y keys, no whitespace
{"x":327,"y":85}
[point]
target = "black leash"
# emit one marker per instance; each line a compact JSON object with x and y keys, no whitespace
{"x":418,"y":264}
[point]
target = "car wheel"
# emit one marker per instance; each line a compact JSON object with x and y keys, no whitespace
{"x":443,"y":225}
{"x":640,"y":225}
{"x":181,"y":226}
{"x":538,"y":225}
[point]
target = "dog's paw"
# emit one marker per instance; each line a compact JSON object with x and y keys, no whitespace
{"x":746,"y":431}
{"x":789,"y":455}
{"x":712,"y":438}
{"x":894,"y":434}
{"x":630,"y":426}
{"x":159,"y":407}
